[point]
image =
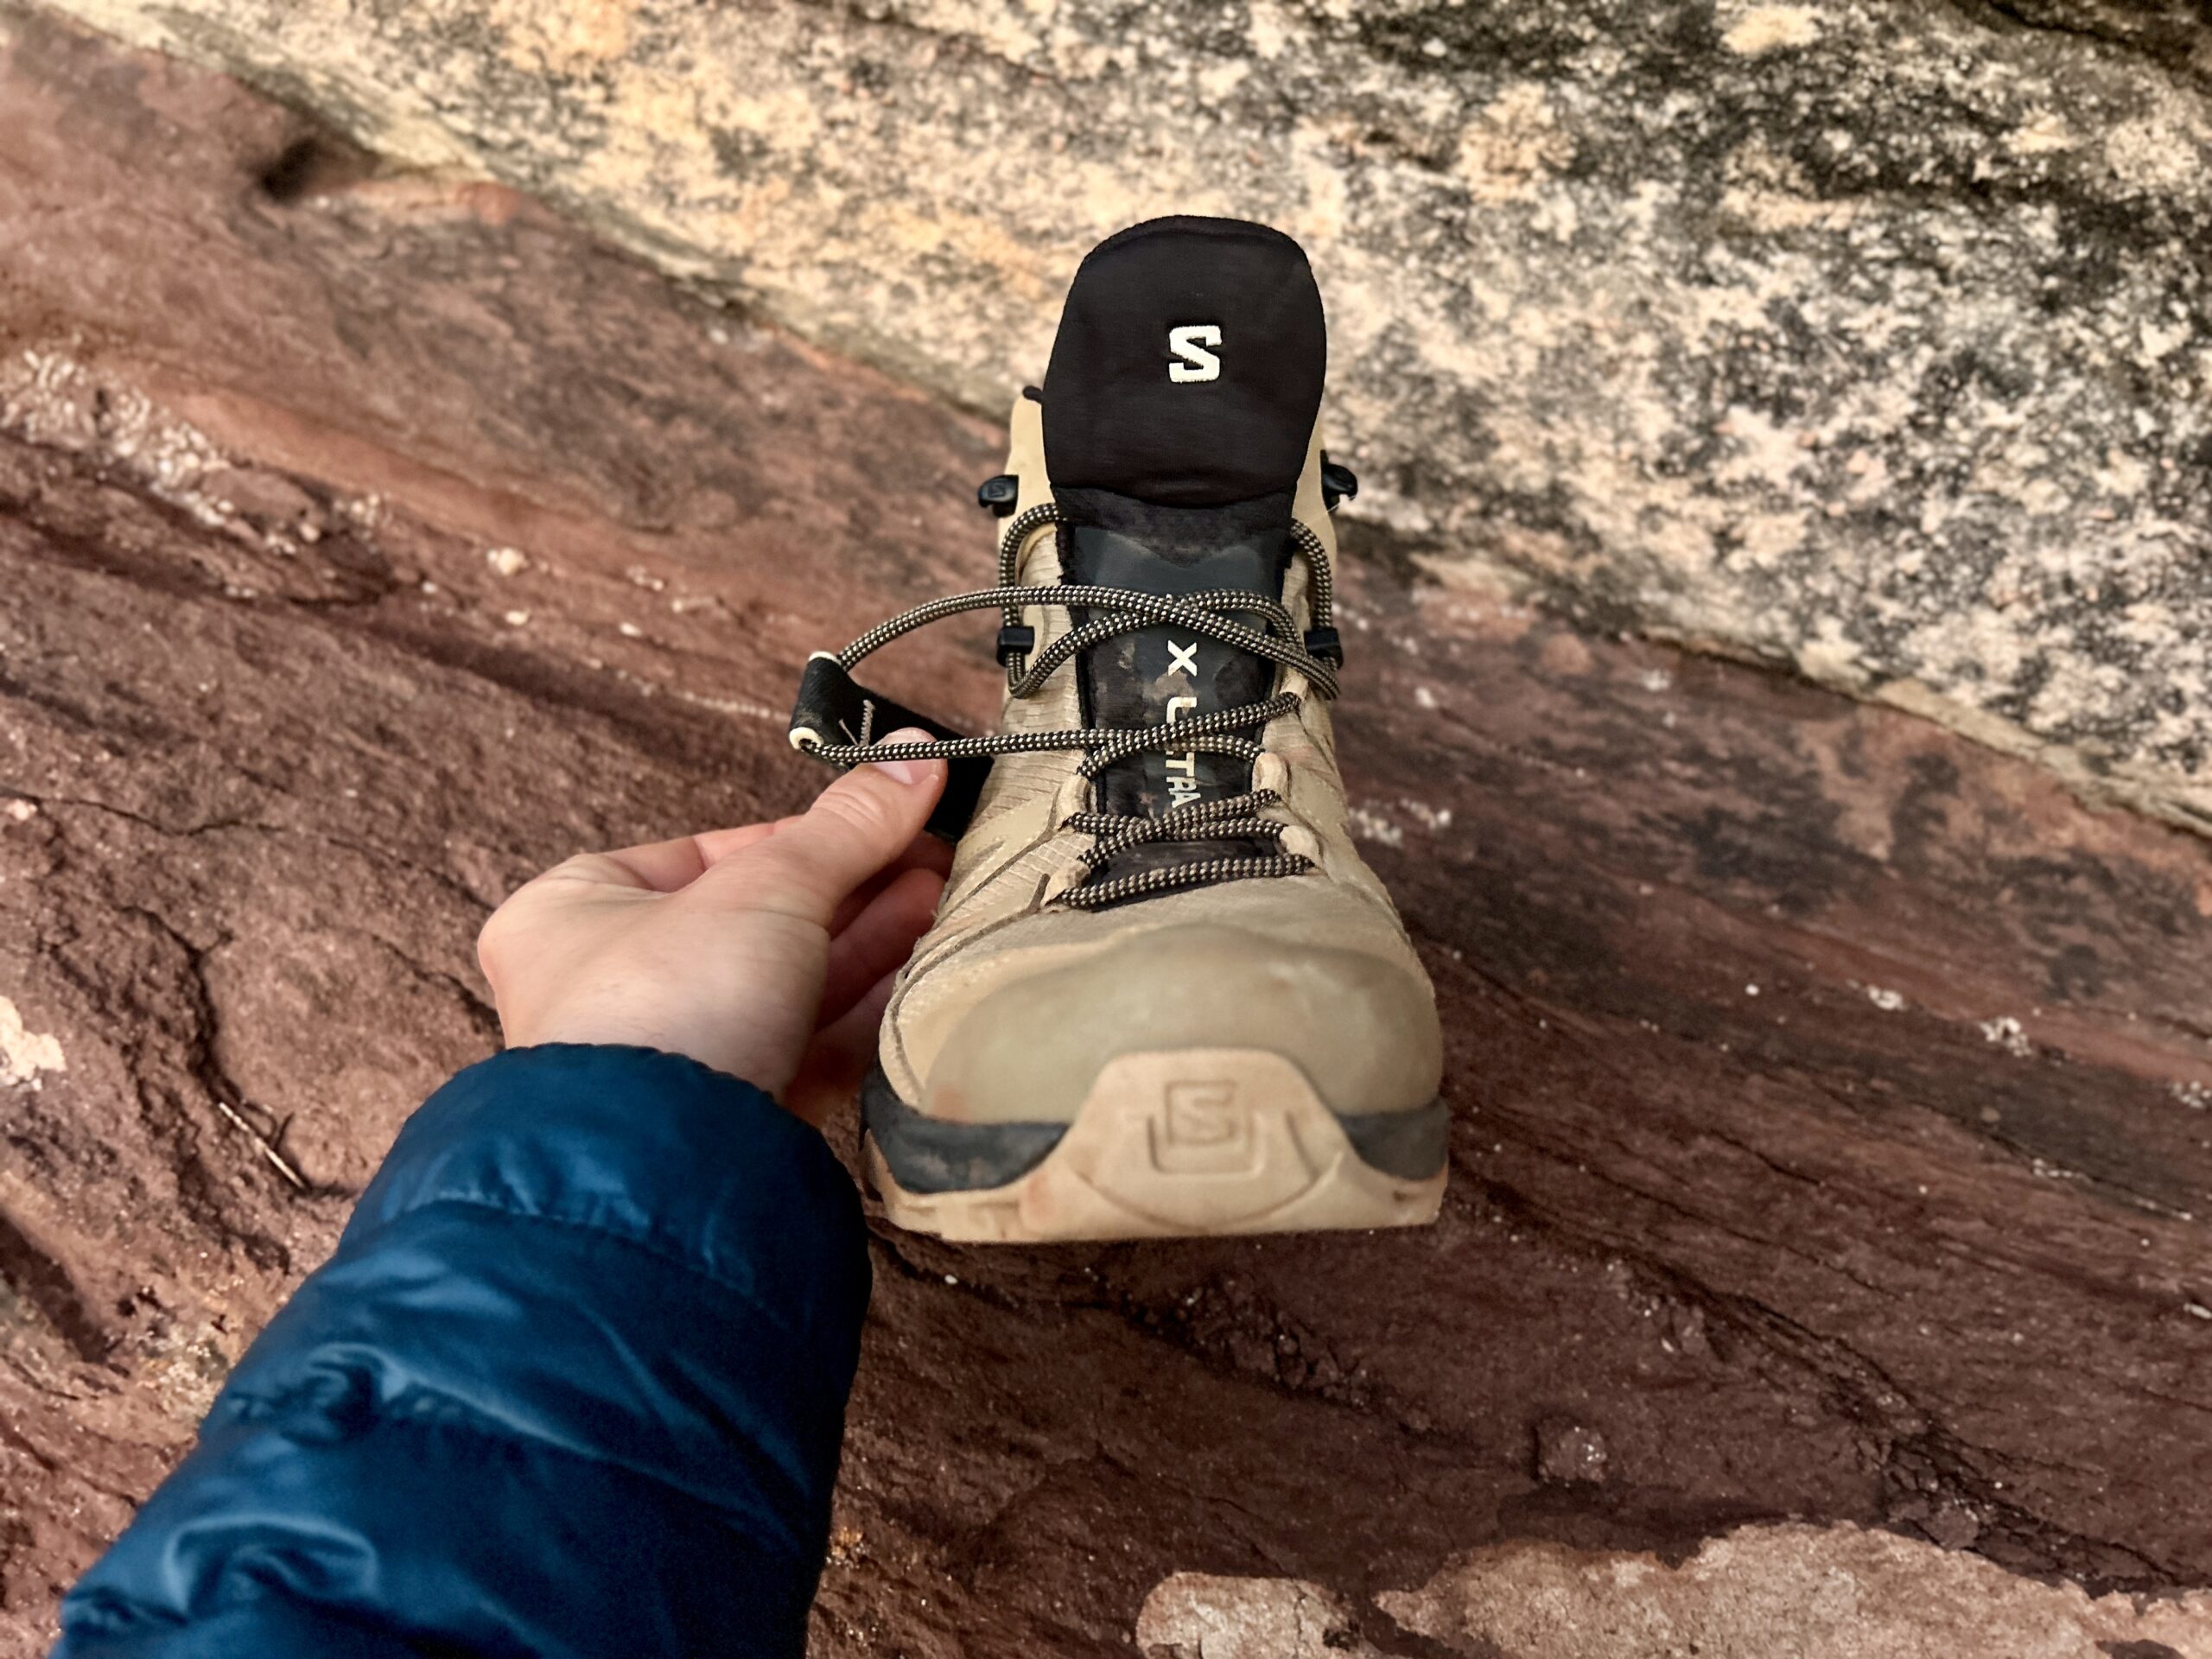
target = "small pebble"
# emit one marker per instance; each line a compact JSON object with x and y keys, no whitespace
{"x":1570,"y":1453}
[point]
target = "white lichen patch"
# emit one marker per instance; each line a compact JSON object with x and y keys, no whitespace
{"x":1368,"y":824}
{"x":53,"y":400}
{"x":1809,"y":1592}
{"x":1887,"y":1001}
{"x":1761,"y":29}
{"x":2041,"y":135}
{"x":506,"y":561}
{"x":740,"y":706}
{"x":1201,"y":1616}
{"x":2156,"y":154}
{"x":2007,"y":1033}
{"x":24,"y":1053}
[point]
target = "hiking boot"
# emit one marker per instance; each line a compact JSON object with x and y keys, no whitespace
{"x":1163,"y":994}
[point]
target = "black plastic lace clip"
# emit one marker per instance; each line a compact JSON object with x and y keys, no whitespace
{"x":1015,"y":639}
{"x":999,"y":494}
{"x":1326,"y":646}
{"x":1338,"y":483}
{"x":834,"y":710}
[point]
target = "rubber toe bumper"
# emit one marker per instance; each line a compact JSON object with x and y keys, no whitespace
{"x":1175,"y":1143}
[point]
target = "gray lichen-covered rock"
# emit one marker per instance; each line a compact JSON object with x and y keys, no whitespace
{"x":1870,"y":336}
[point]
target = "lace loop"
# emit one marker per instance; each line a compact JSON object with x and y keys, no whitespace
{"x":1234,"y":819}
{"x":1214,"y":615}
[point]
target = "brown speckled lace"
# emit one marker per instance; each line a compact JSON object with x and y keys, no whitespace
{"x":1213,"y":614}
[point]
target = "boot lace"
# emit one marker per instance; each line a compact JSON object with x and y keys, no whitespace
{"x":1215,"y":615}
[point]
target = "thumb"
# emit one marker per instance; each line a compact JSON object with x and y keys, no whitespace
{"x":855,"y":828}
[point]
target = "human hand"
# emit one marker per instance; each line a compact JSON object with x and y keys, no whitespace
{"x":765,"y":951}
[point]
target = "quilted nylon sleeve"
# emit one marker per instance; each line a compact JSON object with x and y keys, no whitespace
{"x":572,"y":1384}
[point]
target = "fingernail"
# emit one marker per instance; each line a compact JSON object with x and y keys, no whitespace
{"x":905,"y":772}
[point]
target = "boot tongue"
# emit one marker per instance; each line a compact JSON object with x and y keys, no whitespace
{"x":1177,"y":409}
{"x":1188,"y":367}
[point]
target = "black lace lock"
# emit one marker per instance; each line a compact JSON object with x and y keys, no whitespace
{"x":1017,"y":639}
{"x":1338,"y":483}
{"x":834,"y":711}
{"x":998,"y":496}
{"x":1325,"y":645}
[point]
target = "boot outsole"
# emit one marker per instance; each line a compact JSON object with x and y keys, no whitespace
{"x":1180,"y":1144}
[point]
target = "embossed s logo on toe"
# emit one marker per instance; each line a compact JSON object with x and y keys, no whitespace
{"x":1203,"y":1129}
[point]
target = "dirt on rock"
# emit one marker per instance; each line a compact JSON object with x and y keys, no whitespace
{"x":1832,"y":1097}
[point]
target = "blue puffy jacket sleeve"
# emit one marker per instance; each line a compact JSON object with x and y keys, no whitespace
{"x":572,"y":1384}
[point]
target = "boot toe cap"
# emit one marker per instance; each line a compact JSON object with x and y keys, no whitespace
{"x":1360,"y":1025}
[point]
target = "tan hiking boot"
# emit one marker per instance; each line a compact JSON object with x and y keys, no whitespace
{"x":1163,"y":994}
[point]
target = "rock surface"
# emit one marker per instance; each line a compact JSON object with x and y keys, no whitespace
{"x":1198,"y":1616}
{"x":1830,"y":1094}
{"x":1868,"y":336}
{"x":1811,"y":1593}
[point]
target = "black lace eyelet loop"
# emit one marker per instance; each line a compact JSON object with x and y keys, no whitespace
{"x":998,"y":495}
{"x":1338,"y":483}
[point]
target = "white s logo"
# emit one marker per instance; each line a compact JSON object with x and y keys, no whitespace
{"x":1195,"y":361}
